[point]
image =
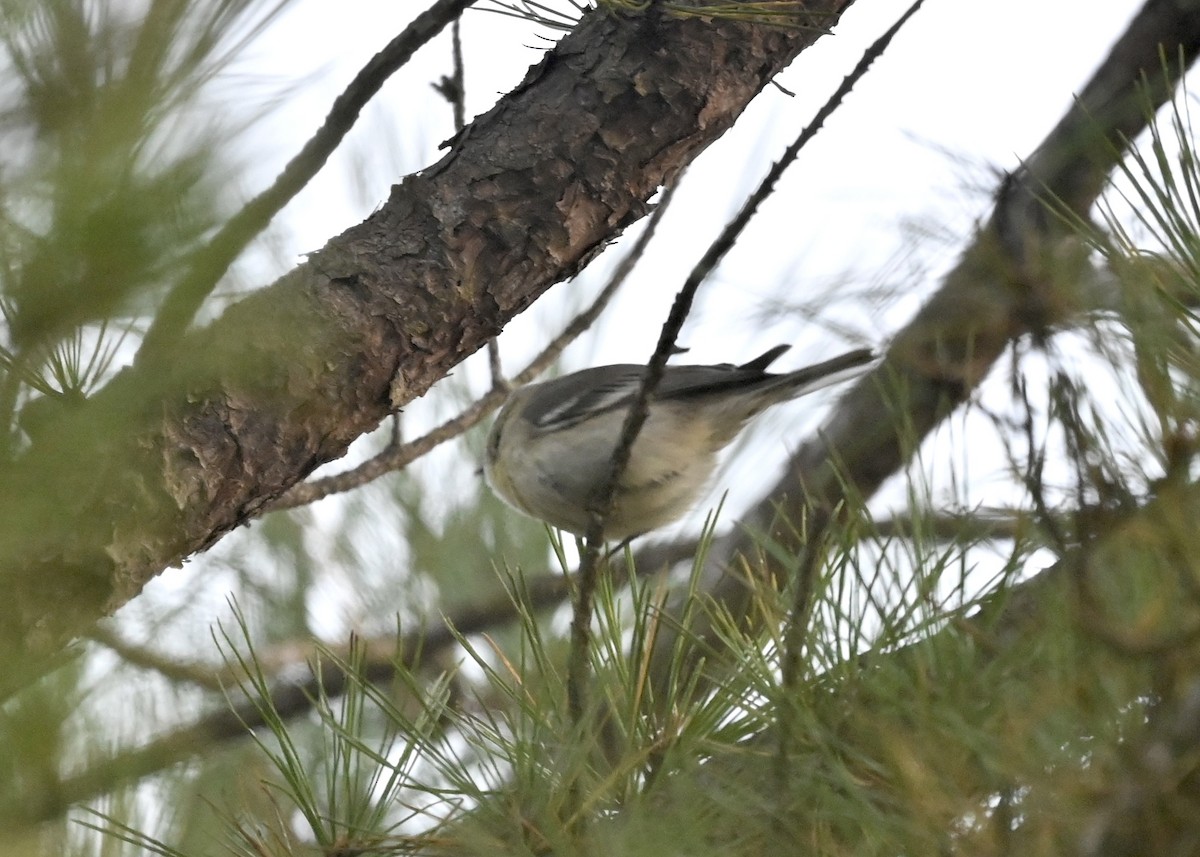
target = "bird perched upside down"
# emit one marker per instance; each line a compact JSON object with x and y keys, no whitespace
{"x":549,"y":453}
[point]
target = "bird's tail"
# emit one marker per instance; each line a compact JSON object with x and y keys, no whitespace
{"x":819,"y":375}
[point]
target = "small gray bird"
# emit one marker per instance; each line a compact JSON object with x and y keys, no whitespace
{"x":550,"y":450}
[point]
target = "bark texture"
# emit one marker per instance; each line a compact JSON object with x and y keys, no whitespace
{"x":175,"y":454}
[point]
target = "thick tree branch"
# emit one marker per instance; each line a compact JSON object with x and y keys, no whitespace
{"x":167,"y":460}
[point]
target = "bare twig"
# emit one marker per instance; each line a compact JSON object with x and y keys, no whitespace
{"x":494,"y":364}
{"x":453,"y":87}
{"x":638,"y":408}
{"x":174,"y":669}
{"x":493,"y":346}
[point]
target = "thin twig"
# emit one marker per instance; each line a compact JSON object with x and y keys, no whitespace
{"x":806,"y":583}
{"x":209,"y":264}
{"x":495,"y":367}
{"x":172,"y":668}
{"x":453,"y":88}
{"x":636,"y":416}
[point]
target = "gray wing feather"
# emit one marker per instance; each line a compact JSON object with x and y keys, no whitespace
{"x":565,"y":402}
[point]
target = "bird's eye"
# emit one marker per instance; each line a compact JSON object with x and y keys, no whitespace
{"x":493,"y":438}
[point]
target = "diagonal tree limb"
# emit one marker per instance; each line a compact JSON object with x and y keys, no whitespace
{"x":1009,"y":282}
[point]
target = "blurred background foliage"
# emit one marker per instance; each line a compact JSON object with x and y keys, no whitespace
{"x":1016,"y":676}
